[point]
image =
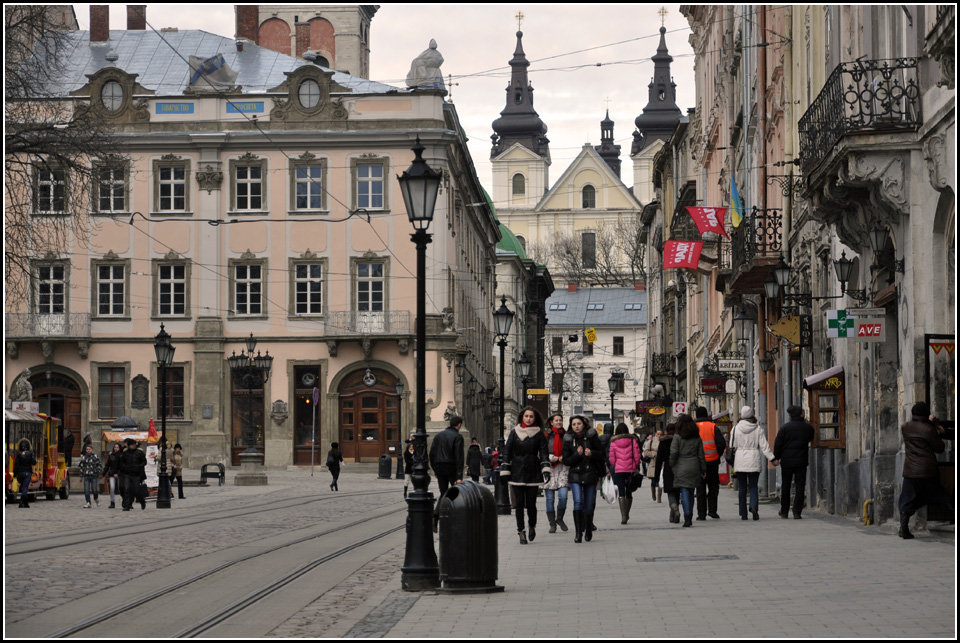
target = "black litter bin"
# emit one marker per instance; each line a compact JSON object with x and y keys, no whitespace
{"x":384,"y":467}
{"x":467,"y":515}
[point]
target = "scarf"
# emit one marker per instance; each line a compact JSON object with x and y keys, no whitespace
{"x":524,"y":432}
{"x":557,"y":445}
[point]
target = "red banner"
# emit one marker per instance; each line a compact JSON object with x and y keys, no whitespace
{"x":681,"y":254}
{"x":708,"y":219}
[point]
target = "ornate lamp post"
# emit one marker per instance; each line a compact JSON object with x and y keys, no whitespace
{"x":502,"y":320}
{"x":612,"y":383}
{"x":164,"y":352}
{"x":419,"y":185}
{"x":523,"y":365}
{"x":250,"y":371}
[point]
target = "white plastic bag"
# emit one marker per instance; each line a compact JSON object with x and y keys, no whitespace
{"x":608,"y":490}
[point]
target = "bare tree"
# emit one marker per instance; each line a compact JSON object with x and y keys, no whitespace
{"x":567,"y":363}
{"x":612,"y":256}
{"x":49,"y":144}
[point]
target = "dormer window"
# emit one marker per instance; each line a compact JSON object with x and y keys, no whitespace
{"x":309,"y":93}
{"x":111,"y":96}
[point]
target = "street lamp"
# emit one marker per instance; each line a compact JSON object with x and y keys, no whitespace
{"x":844,"y":269}
{"x":164,"y":351}
{"x":502,"y":320}
{"x":419,"y":185}
{"x":742,"y":324}
{"x":612,"y":383}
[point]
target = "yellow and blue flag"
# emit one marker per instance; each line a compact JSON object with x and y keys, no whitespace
{"x":736,"y":205}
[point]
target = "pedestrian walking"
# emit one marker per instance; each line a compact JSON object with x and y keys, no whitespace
{"x":487,"y":461}
{"x":132,"y":474}
{"x":555,"y":489}
{"x":792,"y":449}
{"x":474,"y":460}
{"x":583,"y":453}
{"x":23,"y":464}
{"x":626,"y":459}
{"x":176,"y":468}
{"x":751,"y":448}
{"x":922,"y":441}
{"x":651,"y":446}
{"x":526,"y":466}
{"x":688,"y":463}
{"x":111,"y":471}
{"x":664,"y":472}
{"x":708,"y":488}
{"x":407,"y":467}
{"x":446,"y":455}
{"x":90,"y":468}
{"x":334,"y":460}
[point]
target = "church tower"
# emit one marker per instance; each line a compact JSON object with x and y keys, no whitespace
{"x":609,"y":152}
{"x":656,"y":123}
{"x":520,"y":153}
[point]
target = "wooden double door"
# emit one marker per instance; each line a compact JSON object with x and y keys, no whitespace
{"x":59,"y":396}
{"x":369,"y":416}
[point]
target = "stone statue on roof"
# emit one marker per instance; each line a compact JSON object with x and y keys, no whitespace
{"x":425,"y":69}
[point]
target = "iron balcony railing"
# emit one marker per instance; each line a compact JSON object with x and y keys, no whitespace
{"x":760,"y":235}
{"x":352,"y":322}
{"x":662,"y":364}
{"x":860,"y":96}
{"x":56,"y":326}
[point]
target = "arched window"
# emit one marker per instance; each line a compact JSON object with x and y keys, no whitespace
{"x":589,"y":196}
{"x":519,"y":184}
{"x":522,"y":241}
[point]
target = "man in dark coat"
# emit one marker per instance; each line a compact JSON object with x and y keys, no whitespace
{"x":446,"y":455}
{"x":68,"y":442}
{"x":132,"y":472}
{"x":791,"y":448}
{"x":23,"y":464}
{"x":921,"y":482}
{"x":708,"y":488}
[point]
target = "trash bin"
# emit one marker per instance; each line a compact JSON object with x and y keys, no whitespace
{"x":384,"y":467}
{"x":467,"y":515}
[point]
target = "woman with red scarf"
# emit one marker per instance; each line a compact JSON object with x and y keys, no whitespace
{"x":556,"y":487}
{"x":526,"y":465}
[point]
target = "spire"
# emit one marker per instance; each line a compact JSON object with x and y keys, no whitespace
{"x":609,"y":152}
{"x":661,"y":115}
{"x":519,"y":122}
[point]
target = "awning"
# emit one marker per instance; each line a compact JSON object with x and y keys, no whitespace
{"x":20,"y":416}
{"x":813,"y":380}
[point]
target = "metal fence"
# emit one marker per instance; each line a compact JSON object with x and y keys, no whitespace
{"x":352,"y":322}
{"x":37,"y":325}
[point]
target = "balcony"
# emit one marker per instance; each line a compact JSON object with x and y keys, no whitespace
{"x":347,"y":323}
{"x":860,"y":97}
{"x":755,"y":249}
{"x":37,"y":326}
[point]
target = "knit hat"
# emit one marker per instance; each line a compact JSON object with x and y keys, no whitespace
{"x":921,"y":409}
{"x":746,"y":412}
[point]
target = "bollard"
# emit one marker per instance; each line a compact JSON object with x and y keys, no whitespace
{"x":400,"y":467}
{"x":467,"y":516}
{"x":383,"y":470}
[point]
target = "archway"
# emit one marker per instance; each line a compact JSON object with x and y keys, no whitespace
{"x":60,"y":395}
{"x":369,"y":414}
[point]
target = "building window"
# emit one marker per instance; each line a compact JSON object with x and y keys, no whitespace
{"x":111,"y":289}
{"x":618,"y":383}
{"x":588,"y":382}
{"x":368,"y":184}
{"x":308,"y":186}
{"x":588,"y":246}
{"x":309,"y":93}
{"x":618,"y":345}
{"x":369,"y":287}
{"x":51,"y":289}
{"x":111,"y":189}
{"x":110,"y":392}
{"x":308,"y":288}
{"x":248,"y":287}
{"x":519,"y":185}
{"x":589,"y":197}
{"x":556,"y":382}
{"x":172,"y":280}
{"x":595,"y":306}
{"x":248,"y":187}
{"x":557,"y":348}
{"x":50,"y":190}
{"x":172,"y":187}
{"x":587,"y":348}
{"x":174,"y":389}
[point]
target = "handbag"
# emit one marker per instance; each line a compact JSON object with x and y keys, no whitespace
{"x":636,"y":480}
{"x":730,"y":454}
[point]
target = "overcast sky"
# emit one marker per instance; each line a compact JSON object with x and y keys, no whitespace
{"x":563,"y":42}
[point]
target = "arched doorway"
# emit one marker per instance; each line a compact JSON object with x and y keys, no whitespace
{"x":59,"y":395}
{"x":369,"y":415}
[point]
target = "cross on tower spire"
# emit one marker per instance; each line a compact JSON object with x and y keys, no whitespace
{"x":519,"y":18}
{"x":663,"y":16}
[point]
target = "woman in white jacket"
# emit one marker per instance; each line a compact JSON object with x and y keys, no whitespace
{"x":751,"y":451}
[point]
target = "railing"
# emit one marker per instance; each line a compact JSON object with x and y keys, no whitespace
{"x":860,"y":96}
{"x":661,"y":364}
{"x":759,"y":236}
{"x":352,"y":322}
{"x":65,"y":325}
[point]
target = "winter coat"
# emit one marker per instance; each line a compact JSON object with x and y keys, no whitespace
{"x":559,"y":472}
{"x":176,"y":464}
{"x":751,"y":445}
{"x":651,"y":447}
{"x":334,"y":458}
{"x":447,"y":449}
{"x":90,"y":465}
{"x":526,"y":455}
{"x":687,"y":459}
{"x":407,"y":462}
{"x":584,"y":470}
{"x":24,"y":461}
{"x":112,"y":465}
{"x":474,"y":460}
{"x":663,"y":463}
{"x":792,"y":445}
{"x":605,"y":441}
{"x":625,"y":454}
{"x":132,"y":463}
{"x":921,"y":443}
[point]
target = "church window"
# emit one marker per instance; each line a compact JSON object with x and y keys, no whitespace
{"x":519,"y":184}
{"x":589,"y":194}
{"x":588,"y":246}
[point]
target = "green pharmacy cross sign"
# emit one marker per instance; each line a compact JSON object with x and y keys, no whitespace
{"x":839,"y":324}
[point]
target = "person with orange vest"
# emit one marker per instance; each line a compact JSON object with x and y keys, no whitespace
{"x":708,"y":489}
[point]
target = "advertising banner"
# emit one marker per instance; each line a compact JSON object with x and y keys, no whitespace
{"x":681,"y":254}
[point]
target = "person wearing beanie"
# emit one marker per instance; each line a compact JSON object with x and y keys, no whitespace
{"x":792,"y":449}
{"x":922,"y":442}
{"x":751,"y":450}
{"x":708,"y":488}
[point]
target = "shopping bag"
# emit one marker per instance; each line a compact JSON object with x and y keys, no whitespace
{"x":608,"y":490}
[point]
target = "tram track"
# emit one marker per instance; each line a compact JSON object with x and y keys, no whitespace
{"x":182,"y":587}
{"x":173,"y":523}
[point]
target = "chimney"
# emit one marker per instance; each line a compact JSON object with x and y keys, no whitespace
{"x":303,"y":37}
{"x":136,"y":17}
{"x":572,"y":287}
{"x":248,"y":21}
{"x":639,"y":285}
{"x":99,"y":23}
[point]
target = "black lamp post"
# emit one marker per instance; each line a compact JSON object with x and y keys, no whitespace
{"x":420,"y":185}
{"x":164,"y":353}
{"x":502,"y":320}
{"x":523,"y":364}
{"x":250,"y":371}
{"x":612,"y":383}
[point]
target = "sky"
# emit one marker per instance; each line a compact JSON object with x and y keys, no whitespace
{"x":565,"y":43}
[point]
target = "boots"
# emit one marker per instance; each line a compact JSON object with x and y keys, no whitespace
{"x":578,"y":525}
{"x":653,"y":493}
{"x":674,"y":512}
{"x":905,"y":528}
{"x":688,"y":520}
{"x":405,"y":491}
{"x":624,"y":510}
{"x":588,"y":534}
{"x":523,"y":537}
{"x":660,"y":494}
{"x":533,"y":531}
{"x":560,"y":522}
{"x":552,"y":519}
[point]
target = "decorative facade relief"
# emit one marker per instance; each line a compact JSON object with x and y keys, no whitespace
{"x":935,"y":154}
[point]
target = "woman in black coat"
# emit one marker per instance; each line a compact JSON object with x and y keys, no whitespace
{"x":663,"y":465}
{"x":583,"y":453}
{"x":526,"y":466}
{"x":111,"y":472}
{"x":334,"y":458}
{"x":474,"y":460}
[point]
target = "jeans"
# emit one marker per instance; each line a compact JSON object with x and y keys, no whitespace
{"x":584,"y":497}
{"x":23,"y":481}
{"x":622,"y":480}
{"x":686,"y":500}
{"x":753,"y":477}
{"x":798,"y":475}
{"x":90,"y":487}
{"x":708,"y":490}
{"x":561,"y":496}
{"x":113,"y":480}
{"x":128,"y":489}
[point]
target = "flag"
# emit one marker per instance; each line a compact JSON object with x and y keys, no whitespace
{"x":211,"y":74}
{"x":708,"y":219}
{"x":152,"y":432}
{"x":681,"y":254}
{"x":736,"y":205}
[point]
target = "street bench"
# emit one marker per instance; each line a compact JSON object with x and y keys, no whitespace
{"x":213,"y":470}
